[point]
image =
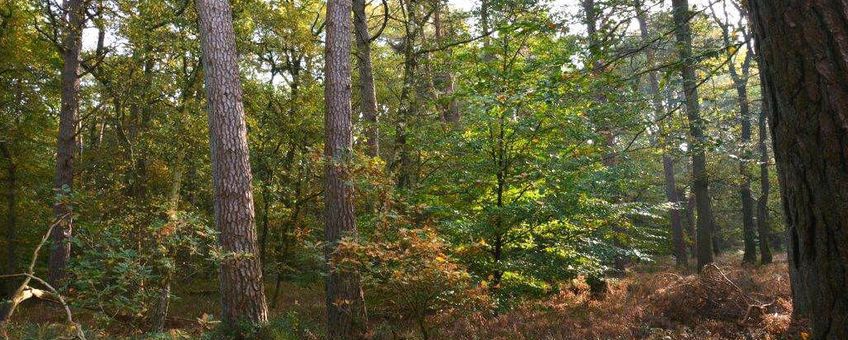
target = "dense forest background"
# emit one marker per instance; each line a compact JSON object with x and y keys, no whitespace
{"x":490,"y":161}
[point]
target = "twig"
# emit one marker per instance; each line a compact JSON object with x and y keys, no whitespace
{"x":19,"y":295}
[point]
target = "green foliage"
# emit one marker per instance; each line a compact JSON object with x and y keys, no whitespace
{"x":122,"y":270}
{"x":552,"y":172}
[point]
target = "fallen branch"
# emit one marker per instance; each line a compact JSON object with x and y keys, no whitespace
{"x":25,"y":292}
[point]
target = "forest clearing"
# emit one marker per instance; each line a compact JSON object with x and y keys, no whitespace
{"x":424,"y":169}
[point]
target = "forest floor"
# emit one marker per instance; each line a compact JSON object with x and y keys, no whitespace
{"x":652,"y":301}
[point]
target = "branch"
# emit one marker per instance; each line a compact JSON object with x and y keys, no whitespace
{"x":385,"y":22}
{"x":25,"y":292}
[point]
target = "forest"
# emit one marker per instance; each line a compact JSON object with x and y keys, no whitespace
{"x":424,"y":169}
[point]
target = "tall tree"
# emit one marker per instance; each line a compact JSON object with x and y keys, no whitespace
{"x":740,"y":83}
{"x":368,"y":97}
{"x":242,"y":293}
{"x":804,"y":52}
{"x":698,"y":139}
{"x":71,"y":47}
{"x":678,"y":242}
{"x":765,"y":187}
{"x":346,"y":318}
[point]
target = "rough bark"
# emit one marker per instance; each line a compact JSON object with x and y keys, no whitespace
{"x":346,"y":318}
{"x":678,"y":241}
{"x":368,"y":97}
{"x":765,"y":187}
{"x":60,"y":252}
{"x":804,"y":51}
{"x":698,"y":140}
{"x":242,"y":294}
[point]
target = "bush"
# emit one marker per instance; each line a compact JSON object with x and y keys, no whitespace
{"x":121,"y":270}
{"x":409,"y":280}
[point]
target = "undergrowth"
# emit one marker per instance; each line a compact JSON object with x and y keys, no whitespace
{"x":655,"y":301}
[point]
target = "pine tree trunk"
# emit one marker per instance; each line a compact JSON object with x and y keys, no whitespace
{"x":346,"y":318}
{"x":698,"y":141}
{"x":678,"y":242}
{"x":60,"y":252}
{"x":804,"y":51}
{"x":242,"y":294}
{"x":368,"y":100}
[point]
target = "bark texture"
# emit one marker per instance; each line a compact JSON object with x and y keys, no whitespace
{"x":346,"y":318}
{"x":242,"y":294}
{"x":60,"y":251}
{"x":368,"y":100}
{"x":804,"y":51}
{"x":697,"y":145}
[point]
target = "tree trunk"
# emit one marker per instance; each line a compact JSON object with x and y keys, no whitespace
{"x":700,"y":181}
{"x":765,"y":186}
{"x":60,"y":251}
{"x":750,"y":255}
{"x":689,"y":215}
{"x":346,"y":318}
{"x":242,"y":294}
{"x":408,"y":102}
{"x":368,"y":100}
{"x":804,"y":51}
{"x":678,"y":242}
{"x":740,"y":82}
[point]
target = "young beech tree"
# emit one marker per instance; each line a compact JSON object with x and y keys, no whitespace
{"x":804,"y":51}
{"x":346,"y":317}
{"x":740,"y":76}
{"x":242,"y":294}
{"x":678,"y":241}
{"x":72,"y":45}
{"x":697,"y":126}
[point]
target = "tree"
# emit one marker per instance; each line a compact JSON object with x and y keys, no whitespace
{"x":346,"y":318}
{"x":368,"y":97}
{"x":698,"y":139}
{"x":804,"y":60}
{"x":71,"y":47}
{"x":765,"y":187}
{"x":242,"y":293}
{"x":740,"y":83}
{"x":671,"y":196}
